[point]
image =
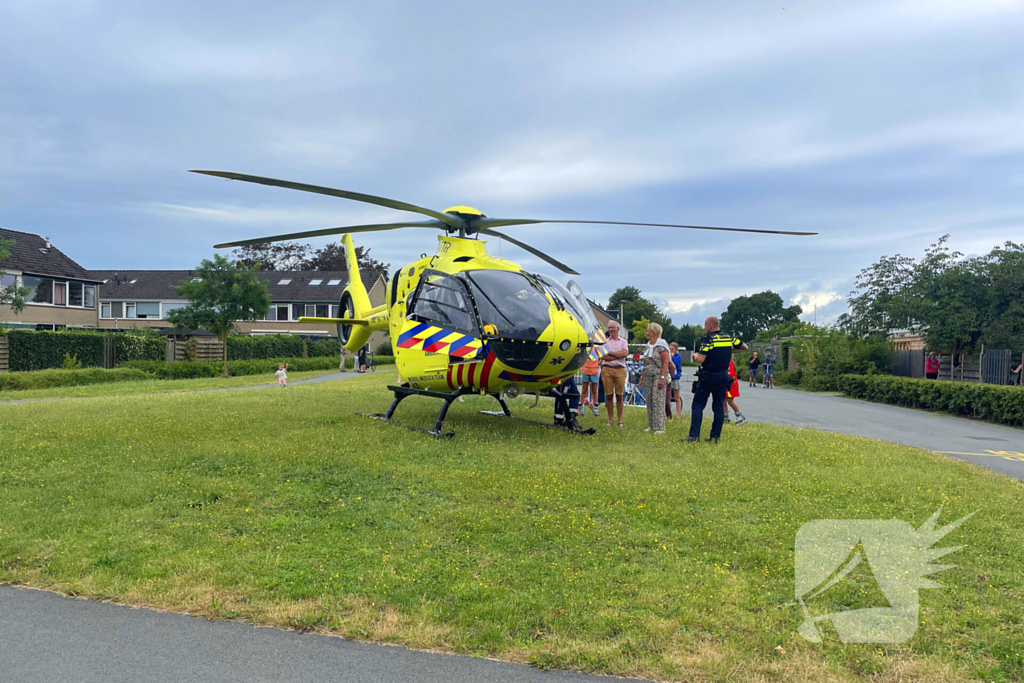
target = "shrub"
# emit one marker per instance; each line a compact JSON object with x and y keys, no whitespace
{"x":384,"y":349}
{"x":325,"y":346}
{"x":984,"y":401}
{"x":71,"y":362}
{"x":141,"y":345}
{"x":271,"y":346}
{"x":47,"y":379}
{"x":32,"y":350}
{"x":197,"y":369}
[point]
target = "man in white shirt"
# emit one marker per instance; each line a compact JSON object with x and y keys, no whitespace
{"x":613,"y":371}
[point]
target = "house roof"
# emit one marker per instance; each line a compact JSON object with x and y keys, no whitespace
{"x":30,"y":254}
{"x":128,"y":285}
{"x":614,"y":315}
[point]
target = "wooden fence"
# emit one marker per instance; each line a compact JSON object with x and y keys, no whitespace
{"x":5,"y":359}
{"x":989,"y":366}
{"x":207,"y":348}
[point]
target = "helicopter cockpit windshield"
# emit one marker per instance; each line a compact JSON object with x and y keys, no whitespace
{"x":572,"y":297}
{"x":511,"y":302}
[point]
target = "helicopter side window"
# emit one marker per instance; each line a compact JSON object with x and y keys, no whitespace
{"x":443,"y":301}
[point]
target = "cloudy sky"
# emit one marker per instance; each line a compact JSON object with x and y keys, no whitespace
{"x":880,"y":125}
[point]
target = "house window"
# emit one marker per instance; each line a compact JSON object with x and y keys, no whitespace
{"x":116,"y":309}
{"x":104,"y":310}
{"x":335,"y":311}
{"x":322,"y":310}
{"x":59,"y":293}
{"x":168,"y":307}
{"x":282,"y":312}
{"x":40,"y":289}
{"x":147,"y":310}
{"x":285,"y":281}
{"x":7,"y":280}
{"x":74,"y":293}
{"x":129,"y":310}
{"x":271,"y":314}
{"x":310,"y":310}
{"x":298,"y":310}
{"x":90,"y":296}
{"x":314,"y":283}
{"x":333,"y":283}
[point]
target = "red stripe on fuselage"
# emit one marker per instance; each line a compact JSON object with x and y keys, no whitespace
{"x":485,"y":372}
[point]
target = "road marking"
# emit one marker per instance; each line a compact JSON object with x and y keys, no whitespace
{"x":1005,"y":455}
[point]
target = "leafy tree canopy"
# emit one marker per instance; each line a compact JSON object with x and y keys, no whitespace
{"x":956,"y":302}
{"x":636,"y":308}
{"x":746,"y":316}
{"x":220,"y":294}
{"x":295,"y":256}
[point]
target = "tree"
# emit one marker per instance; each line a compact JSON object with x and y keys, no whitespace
{"x":955,"y":302}
{"x":294,"y":256}
{"x":332,"y":257}
{"x":272,"y":256}
{"x":748,"y":315}
{"x":621,"y":296}
{"x":220,"y":294}
{"x":11,"y":294}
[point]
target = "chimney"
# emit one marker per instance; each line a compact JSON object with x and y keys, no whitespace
{"x":47,"y":241}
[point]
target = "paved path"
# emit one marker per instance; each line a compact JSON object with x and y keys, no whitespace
{"x":47,"y":638}
{"x":993,"y":446}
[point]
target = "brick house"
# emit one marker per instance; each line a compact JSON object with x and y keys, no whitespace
{"x":62,"y":293}
{"x":136,"y":298}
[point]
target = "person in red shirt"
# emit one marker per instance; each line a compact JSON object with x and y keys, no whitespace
{"x":931,"y":366}
{"x":731,"y":394}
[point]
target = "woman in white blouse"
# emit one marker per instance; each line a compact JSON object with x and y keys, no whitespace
{"x":655,"y":378}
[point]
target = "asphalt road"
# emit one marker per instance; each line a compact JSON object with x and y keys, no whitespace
{"x":993,"y":446}
{"x":47,"y":638}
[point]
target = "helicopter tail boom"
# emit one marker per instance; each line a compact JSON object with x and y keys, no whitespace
{"x":356,"y":303}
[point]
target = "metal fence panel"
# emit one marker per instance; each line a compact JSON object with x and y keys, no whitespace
{"x":908,"y":363}
{"x":995,"y":367}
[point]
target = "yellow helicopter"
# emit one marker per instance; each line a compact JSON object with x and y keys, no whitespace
{"x":463,"y":321}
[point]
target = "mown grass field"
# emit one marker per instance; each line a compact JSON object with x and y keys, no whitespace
{"x":622,"y":553}
{"x":152,"y":386}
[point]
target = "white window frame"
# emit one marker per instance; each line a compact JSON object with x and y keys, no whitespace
{"x":315,"y":283}
{"x":333,"y":283}
{"x":284,"y":281}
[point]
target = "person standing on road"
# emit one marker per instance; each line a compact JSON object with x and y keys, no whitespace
{"x":931,"y":366}
{"x":731,"y":395}
{"x":755,"y":363}
{"x":657,"y":370}
{"x":769,"y":372}
{"x":713,"y":354}
{"x":613,"y":371}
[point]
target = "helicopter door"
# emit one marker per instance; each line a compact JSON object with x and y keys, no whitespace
{"x":441,"y":321}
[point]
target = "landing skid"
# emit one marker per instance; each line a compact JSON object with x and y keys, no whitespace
{"x":570,"y":425}
{"x":402,"y":392}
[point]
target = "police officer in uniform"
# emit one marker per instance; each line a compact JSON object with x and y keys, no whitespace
{"x":713,"y":353}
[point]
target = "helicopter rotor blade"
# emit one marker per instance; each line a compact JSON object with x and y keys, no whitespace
{"x":453,"y":221}
{"x":536,"y":252}
{"x":485,"y":223}
{"x":373,"y":227}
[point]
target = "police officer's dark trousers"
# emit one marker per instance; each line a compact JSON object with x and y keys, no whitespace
{"x":713,"y":386}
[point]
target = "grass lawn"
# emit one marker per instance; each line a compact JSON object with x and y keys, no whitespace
{"x":152,"y":386}
{"x":622,"y":553}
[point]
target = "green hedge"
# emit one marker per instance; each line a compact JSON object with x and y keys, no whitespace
{"x":194,"y":369}
{"x":984,"y":401}
{"x":32,"y":350}
{"x":280,"y":346}
{"x":129,"y":347}
{"x":47,"y":379}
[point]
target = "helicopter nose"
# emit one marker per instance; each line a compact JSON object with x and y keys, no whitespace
{"x":568,"y":337}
